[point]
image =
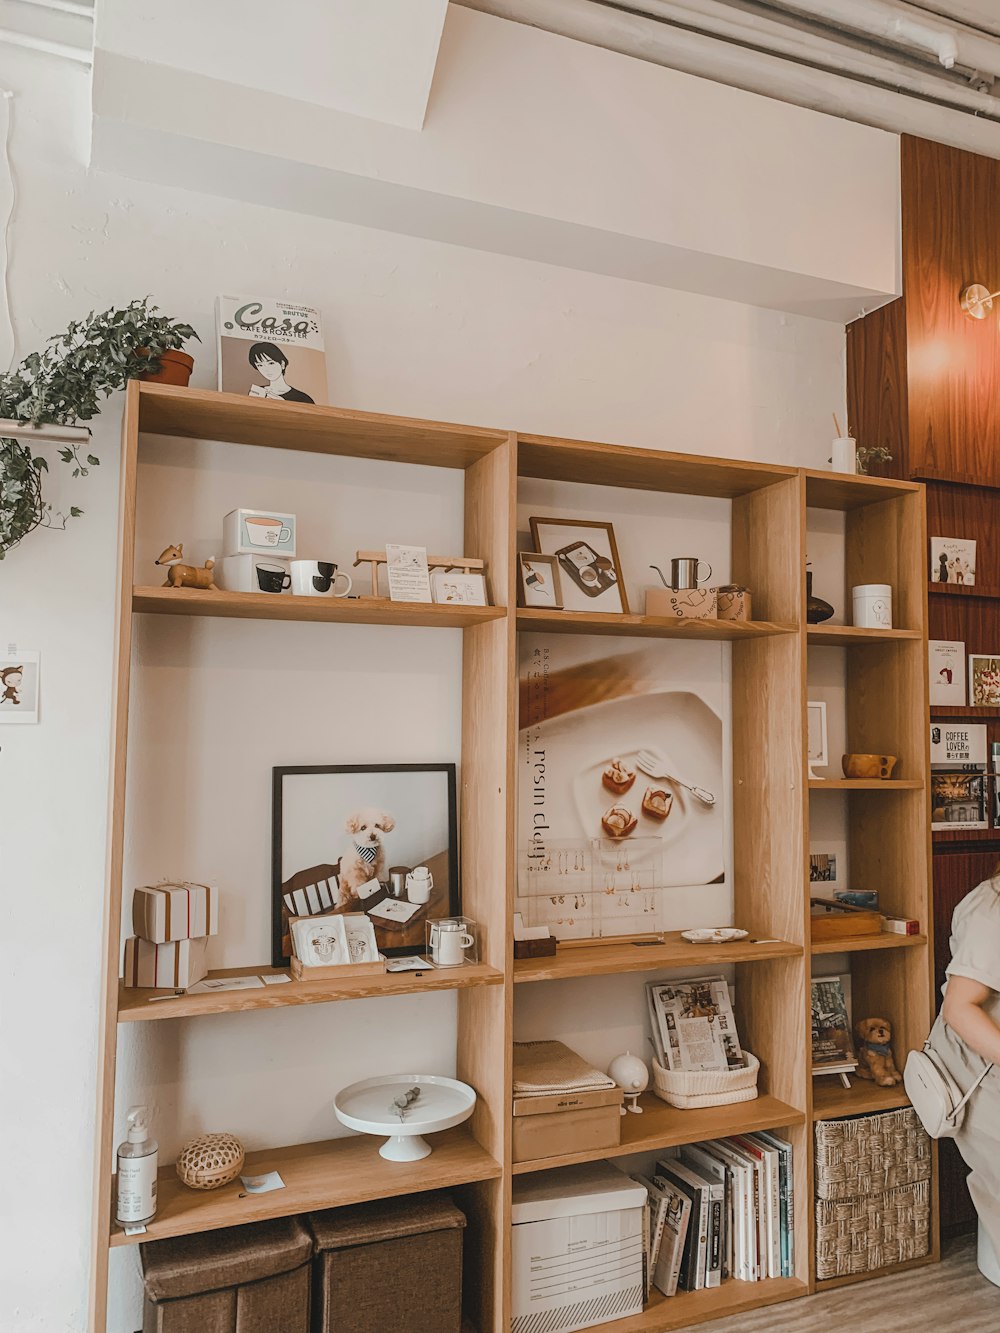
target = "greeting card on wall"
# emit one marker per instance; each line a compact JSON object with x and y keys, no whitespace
{"x":984,"y":681}
{"x":953,"y":560}
{"x":958,"y":746}
{"x":606,"y":742}
{"x":946,"y":661}
{"x":270,"y":349}
{"x":19,"y":676}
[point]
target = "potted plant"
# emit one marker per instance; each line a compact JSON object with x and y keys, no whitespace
{"x":64,"y":385}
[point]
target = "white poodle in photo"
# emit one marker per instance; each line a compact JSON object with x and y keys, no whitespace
{"x":364,"y":858}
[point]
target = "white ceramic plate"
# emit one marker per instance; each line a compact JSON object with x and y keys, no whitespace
{"x":718,"y":935}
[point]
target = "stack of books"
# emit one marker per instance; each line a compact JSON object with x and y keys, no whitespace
{"x":720,"y":1209}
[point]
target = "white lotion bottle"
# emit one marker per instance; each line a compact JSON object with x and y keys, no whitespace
{"x":137,"y":1164}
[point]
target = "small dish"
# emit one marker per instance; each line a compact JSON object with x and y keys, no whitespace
{"x":716,"y":935}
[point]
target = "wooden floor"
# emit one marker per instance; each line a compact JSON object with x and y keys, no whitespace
{"x":941,"y":1298}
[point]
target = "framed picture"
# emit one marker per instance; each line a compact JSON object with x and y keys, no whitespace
{"x":984,"y":681}
{"x":452,"y":587}
{"x":817,"y":754}
{"x":590,"y":571}
{"x":19,"y":687}
{"x":538,"y":580}
{"x":352,"y":839}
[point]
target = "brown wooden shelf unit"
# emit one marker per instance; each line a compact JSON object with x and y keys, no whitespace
{"x":770,"y":811}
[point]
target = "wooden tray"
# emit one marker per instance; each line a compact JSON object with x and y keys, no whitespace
{"x":300,"y":973}
{"x":832,"y":920}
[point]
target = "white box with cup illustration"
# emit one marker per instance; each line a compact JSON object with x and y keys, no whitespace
{"x":452,"y":941}
{"x":256,"y":531}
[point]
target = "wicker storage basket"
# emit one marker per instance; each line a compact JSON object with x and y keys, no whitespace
{"x":864,"y":1235}
{"x":713,"y":1087}
{"x":872,"y":1192}
{"x":870,"y":1154}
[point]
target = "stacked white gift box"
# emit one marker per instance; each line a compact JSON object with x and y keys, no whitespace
{"x":171,"y":924}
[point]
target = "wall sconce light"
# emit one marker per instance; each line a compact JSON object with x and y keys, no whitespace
{"x":977,"y":300}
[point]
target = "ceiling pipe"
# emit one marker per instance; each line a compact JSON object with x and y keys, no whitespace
{"x":754,"y":71}
{"x":894,"y":21}
{"x":719,"y":19}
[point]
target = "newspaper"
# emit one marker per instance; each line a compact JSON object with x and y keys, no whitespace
{"x":693,"y":1025}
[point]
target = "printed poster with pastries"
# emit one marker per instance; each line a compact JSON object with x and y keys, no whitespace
{"x":621,"y":789}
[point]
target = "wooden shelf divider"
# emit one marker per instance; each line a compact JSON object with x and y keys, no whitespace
{"x":837,"y":636}
{"x":830,"y":1100}
{"x":867,"y":943}
{"x":316,"y":1175}
{"x":137,"y":1006}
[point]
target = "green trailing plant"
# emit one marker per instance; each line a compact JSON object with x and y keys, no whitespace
{"x":64,"y":385}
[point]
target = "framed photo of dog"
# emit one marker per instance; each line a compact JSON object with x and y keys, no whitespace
{"x":377,"y":839}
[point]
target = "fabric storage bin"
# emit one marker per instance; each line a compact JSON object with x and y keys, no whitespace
{"x":873,"y":1192}
{"x":251,"y":1279}
{"x":395,"y":1263}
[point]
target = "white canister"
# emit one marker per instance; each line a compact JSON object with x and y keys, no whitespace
{"x":845,"y":454}
{"x":872,"y":605}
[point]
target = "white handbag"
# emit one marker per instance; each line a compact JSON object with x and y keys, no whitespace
{"x":934,"y":1094}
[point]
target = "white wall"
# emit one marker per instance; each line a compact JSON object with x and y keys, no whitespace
{"x":413,"y":327}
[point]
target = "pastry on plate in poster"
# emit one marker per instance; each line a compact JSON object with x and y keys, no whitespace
{"x":620,"y":782}
{"x":271,"y":349}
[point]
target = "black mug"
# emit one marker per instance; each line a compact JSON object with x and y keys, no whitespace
{"x":270,"y":579}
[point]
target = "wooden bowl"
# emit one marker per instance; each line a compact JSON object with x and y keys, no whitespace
{"x":211,"y":1161}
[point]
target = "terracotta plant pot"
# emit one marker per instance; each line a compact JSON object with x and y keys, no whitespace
{"x":175,"y":368}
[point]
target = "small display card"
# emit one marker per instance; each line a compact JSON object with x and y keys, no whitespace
{"x":271,"y":1180}
{"x":409,"y":580}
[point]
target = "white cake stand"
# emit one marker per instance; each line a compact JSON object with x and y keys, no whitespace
{"x":368,"y":1106}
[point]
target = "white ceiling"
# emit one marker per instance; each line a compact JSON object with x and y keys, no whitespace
{"x":983,"y":14}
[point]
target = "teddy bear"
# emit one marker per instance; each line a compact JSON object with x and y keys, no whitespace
{"x":874,"y":1052}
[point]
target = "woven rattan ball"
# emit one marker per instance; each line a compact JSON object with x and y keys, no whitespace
{"x":210,"y":1161}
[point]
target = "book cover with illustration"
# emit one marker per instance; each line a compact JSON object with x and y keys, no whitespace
{"x":958,"y":800}
{"x":832,"y":1043}
{"x":946,"y":661}
{"x":271,"y":348}
{"x":953,"y":560}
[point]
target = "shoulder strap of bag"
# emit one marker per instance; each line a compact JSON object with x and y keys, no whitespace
{"x":956,"y":1111}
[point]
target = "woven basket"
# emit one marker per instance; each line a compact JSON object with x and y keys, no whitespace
{"x":689,"y":1089}
{"x":863,"y":1235}
{"x":210,"y":1162}
{"x":870,"y":1154}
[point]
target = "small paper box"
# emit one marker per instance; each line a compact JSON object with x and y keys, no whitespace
{"x":177,"y":965}
{"x":258,"y":532}
{"x":167,"y":912}
{"x":681,"y":603}
{"x":734,"y":603}
{"x":351,"y":932}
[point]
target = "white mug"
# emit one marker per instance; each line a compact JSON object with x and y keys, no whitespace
{"x":318,"y":578}
{"x":419,"y":885}
{"x":449,"y":941}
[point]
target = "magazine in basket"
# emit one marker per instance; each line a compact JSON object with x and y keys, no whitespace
{"x":693,"y":1025}
{"x":271,"y":349}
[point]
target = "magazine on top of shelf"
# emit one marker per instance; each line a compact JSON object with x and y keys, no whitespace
{"x":692,"y":1023}
{"x":270,"y":348}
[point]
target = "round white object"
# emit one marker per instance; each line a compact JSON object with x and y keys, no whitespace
{"x":872,"y":605}
{"x":368,"y":1106}
{"x":715,"y":935}
{"x":629,"y":1072}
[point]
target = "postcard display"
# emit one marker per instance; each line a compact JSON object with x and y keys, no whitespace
{"x":575,"y":740}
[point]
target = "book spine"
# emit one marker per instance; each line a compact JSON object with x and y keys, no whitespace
{"x":713,"y":1256}
{"x":774,"y":1197}
{"x":790,"y":1175}
{"x":700,"y":1249}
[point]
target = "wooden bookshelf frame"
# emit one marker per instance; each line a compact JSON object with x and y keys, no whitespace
{"x":889,"y":827}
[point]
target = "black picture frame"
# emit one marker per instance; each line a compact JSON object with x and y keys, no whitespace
{"x":441,"y":904}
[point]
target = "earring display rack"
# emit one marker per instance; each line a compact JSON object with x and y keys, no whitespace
{"x":771,"y":799}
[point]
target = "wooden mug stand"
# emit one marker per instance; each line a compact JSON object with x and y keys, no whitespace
{"x":465,"y":564}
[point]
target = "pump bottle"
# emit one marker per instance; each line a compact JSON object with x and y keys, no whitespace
{"x":137,"y":1163}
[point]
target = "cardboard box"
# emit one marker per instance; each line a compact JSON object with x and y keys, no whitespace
{"x":167,"y":912}
{"x":176,"y":965}
{"x":257,"y":532}
{"x":587,"y":1222}
{"x":566,"y":1122}
{"x":682,"y":603}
